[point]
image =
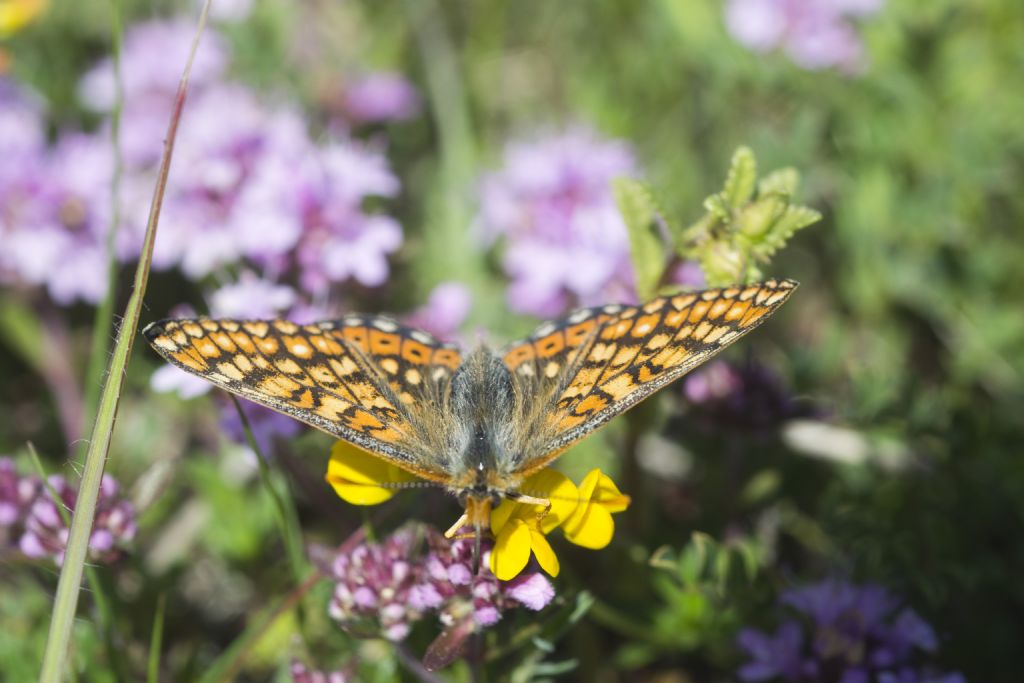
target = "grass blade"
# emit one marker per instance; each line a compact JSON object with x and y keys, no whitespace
{"x":66,"y":601}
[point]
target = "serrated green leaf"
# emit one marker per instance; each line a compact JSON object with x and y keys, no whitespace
{"x":647,"y":249}
{"x":742,"y":178}
{"x":718,"y":206}
{"x":722,"y":264}
{"x":757,"y":218}
{"x":784,"y":181}
{"x":794,"y":218}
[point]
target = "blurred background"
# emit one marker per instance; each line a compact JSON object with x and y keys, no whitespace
{"x":841,"y":498}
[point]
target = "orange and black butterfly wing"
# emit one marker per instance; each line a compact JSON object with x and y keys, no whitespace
{"x":328,"y":375}
{"x":613,"y":358}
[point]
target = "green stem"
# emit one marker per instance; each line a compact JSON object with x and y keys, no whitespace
{"x":99,"y":594}
{"x":66,"y":602}
{"x":156,"y":642}
{"x":285,"y":514}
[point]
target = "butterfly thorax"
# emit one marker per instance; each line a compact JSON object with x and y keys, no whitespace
{"x":483,"y":443}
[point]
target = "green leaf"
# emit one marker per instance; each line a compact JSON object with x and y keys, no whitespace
{"x":781,"y":182}
{"x":793,"y":218}
{"x":718,"y":206}
{"x":636,"y":204}
{"x":742,"y":178}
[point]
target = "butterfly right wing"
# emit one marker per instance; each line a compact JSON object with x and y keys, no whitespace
{"x":598,"y":363}
{"x":312,"y":373}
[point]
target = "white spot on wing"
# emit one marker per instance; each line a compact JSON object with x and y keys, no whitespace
{"x":384,"y":325}
{"x":421,"y":337}
{"x":544,"y":330}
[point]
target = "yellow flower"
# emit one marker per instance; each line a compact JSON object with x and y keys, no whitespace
{"x":361,"y":478}
{"x":519,"y":527}
{"x":590,"y":524}
{"x":16,"y":14}
{"x":584,"y":513}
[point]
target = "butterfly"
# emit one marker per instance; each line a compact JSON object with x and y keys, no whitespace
{"x":479,"y":422}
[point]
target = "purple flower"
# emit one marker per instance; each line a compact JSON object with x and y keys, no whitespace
{"x":340,"y":240}
{"x":57,"y":217}
{"x":16,"y":496}
{"x":445,"y":311}
{"x":267,"y":425}
{"x":849,"y":634}
{"x":381,"y":97}
{"x":566,"y":242}
{"x":46,"y":535}
{"x":234,"y":193}
{"x":152,"y":58}
{"x":816,"y":34}
{"x":775,"y":656}
{"x":749,"y":398}
{"x":391,"y":586}
{"x":373,"y":583}
{"x":251,"y":297}
{"x":300,"y":674}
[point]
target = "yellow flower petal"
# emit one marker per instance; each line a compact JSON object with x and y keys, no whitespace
{"x":502,"y":514}
{"x":593,"y":529}
{"x":511,"y":550}
{"x":591,"y":524}
{"x":557,"y":489}
{"x":608,"y":494}
{"x":356,"y":475}
{"x":542,"y":551}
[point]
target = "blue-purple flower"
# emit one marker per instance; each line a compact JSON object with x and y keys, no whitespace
{"x":816,"y":34}
{"x":552,"y":201}
{"x":844,"y":633}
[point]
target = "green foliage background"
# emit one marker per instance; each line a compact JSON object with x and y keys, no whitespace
{"x":908,"y":327}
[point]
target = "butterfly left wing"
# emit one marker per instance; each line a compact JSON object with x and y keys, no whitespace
{"x":598,"y":363}
{"x":331,"y":375}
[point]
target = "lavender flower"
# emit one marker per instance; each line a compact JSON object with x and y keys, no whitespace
{"x":566,"y":242}
{"x":341,"y":241}
{"x":382,"y":583}
{"x":151,"y":60}
{"x":267,"y":425}
{"x":300,"y":674}
{"x":46,"y":535}
{"x":847,"y":633}
{"x":57,"y":215}
{"x":449,"y":576}
{"x":16,"y":496}
{"x":446,"y":309}
{"x":816,"y":34}
{"x":381,"y":97}
{"x":374,"y":582}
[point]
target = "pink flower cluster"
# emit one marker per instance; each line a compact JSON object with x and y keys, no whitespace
{"x":29,"y":514}
{"x":391,"y":585}
{"x":552,"y":201}
{"x":816,"y":34}
{"x":250,"y":190}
